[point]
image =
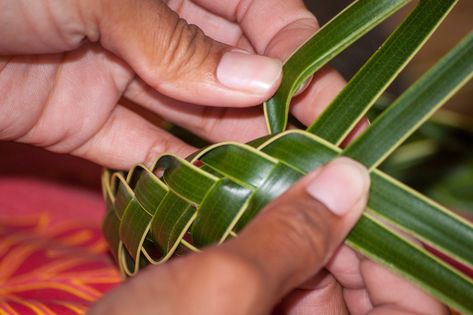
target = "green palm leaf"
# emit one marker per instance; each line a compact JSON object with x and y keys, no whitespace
{"x":376,"y":75}
{"x":352,"y":23}
{"x":210,"y":196}
{"x":415,"y":106}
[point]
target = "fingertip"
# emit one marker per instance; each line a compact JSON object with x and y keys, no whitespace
{"x":356,"y":131}
{"x":340,"y":185}
{"x":323,"y":88}
{"x":249,"y":73}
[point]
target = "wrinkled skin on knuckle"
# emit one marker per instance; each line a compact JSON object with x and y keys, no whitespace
{"x":187,"y":49}
{"x":54,"y":25}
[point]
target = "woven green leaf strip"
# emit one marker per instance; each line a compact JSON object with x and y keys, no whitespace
{"x":219,"y":223}
{"x":214,"y":193}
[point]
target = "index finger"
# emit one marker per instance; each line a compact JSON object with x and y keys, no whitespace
{"x":276,"y":29}
{"x":268,"y":23}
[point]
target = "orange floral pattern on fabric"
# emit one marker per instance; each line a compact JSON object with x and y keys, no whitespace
{"x":53,"y":259}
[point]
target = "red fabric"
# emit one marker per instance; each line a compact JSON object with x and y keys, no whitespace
{"x":53,"y":258}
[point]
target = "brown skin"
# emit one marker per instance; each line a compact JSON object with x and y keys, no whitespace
{"x":281,"y":254}
{"x":64,"y":66}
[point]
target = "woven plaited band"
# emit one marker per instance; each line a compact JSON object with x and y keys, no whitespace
{"x":149,"y":218}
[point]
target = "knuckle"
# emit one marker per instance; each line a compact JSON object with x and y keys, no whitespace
{"x":187,"y":48}
{"x":296,"y":32}
{"x":303,"y":229}
{"x":309,"y":22}
{"x":160,"y":146}
{"x":67,"y":23}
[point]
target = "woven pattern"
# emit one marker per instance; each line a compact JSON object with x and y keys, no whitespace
{"x":150,"y":218}
{"x":154,"y":218}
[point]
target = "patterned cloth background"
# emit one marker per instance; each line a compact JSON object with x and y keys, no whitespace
{"x":53,"y":259}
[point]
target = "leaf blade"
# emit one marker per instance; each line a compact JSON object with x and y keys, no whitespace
{"x":414,"y":106}
{"x":370,"y":238}
{"x":379,"y":71}
{"x":352,"y":23}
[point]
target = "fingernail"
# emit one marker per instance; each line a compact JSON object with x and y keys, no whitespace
{"x":248,"y":72}
{"x":339,"y":185}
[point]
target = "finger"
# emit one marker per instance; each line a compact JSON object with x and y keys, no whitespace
{"x":394,"y":295}
{"x":316,"y":97}
{"x":279,"y":39}
{"x":325,"y":297}
{"x":38,"y":27}
{"x":213,"y":25}
{"x":357,"y":301}
{"x":215,"y":124}
{"x":293,"y":19}
{"x":126,"y":138}
{"x":356,"y":131}
{"x":325,"y":85}
{"x":345,"y":267}
{"x":169,"y":54}
{"x":335,"y":293}
{"x":173,"y":56}
{"x":45,"y":102}
{"x":308,"y":222}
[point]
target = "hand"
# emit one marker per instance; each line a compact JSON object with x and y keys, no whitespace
{"x":280,"y":255}
{"x":66,"y":66}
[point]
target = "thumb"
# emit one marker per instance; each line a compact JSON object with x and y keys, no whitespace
{"x":295,"y":236}
{"x":173,"y":56}
{"x":286,"y":244}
